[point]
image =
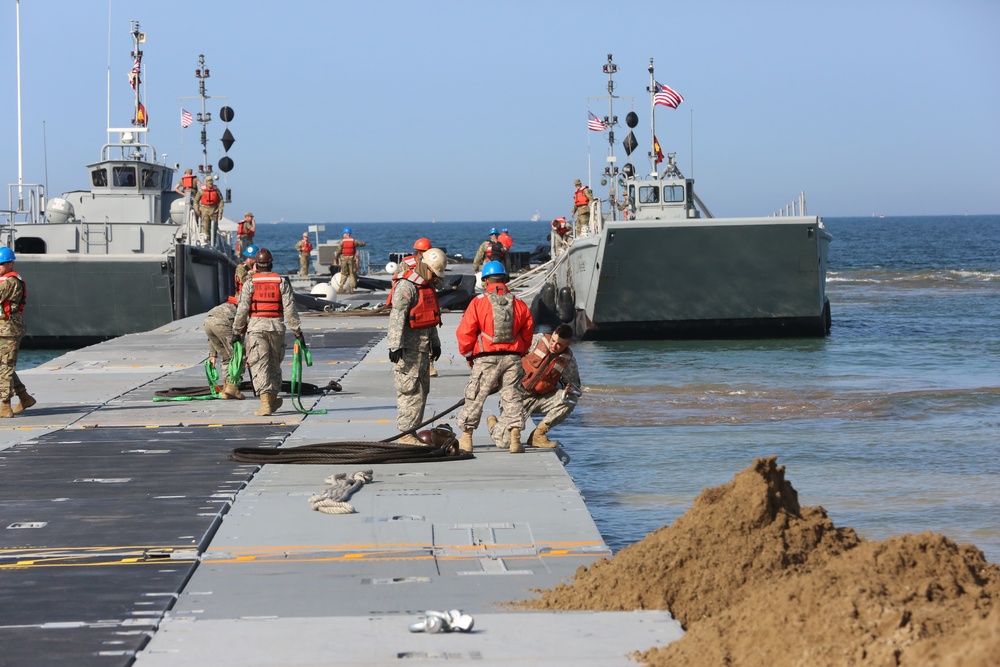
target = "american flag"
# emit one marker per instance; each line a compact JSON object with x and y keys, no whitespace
{"x":595,"y":124}
{"x":667,"y":96}
{"x":186,"y":118}
{"x":133,"y":76}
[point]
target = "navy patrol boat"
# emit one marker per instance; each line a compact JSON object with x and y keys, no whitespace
{"x":658,"y":264}
{"x":122,"y":256}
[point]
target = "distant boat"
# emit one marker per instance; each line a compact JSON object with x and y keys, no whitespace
{"x":536,"y":216}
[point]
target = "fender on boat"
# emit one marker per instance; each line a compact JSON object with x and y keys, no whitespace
{"x":565,"y":305}
{"x":543,"y":309}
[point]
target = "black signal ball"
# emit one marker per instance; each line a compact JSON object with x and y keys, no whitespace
{"x":631,"y":119}
{"x":227,"y":114}
{"x":226,"y":164}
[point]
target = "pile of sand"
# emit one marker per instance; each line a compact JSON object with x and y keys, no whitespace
{"x":757,"y":580}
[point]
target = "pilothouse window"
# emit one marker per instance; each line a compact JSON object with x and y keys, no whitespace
{"x":150,"y":178}
{"x":124,"y":177}
{"x":649,"y":194}
{"x":99,"y":177}
{"x":673,"y":193}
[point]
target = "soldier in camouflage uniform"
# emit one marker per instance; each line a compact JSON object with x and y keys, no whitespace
{"x":413,"y":339}
{"x":12,"y":298}
{"x":219,"y":327}
{"x":265,"y":306}
{"x":494,"y":333}
{"x":210,"y":207}
{"x":549,"y":370}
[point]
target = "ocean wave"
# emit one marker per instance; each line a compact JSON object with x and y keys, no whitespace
{"x":919,"y":279}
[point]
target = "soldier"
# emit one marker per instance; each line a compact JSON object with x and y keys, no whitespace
{"x":420,"y":246}
{"x":581,"y":207}
{"x":494,"y":333}
{"x":188,"y":186}
{"x":245,"y":230}
{"x":413,"y":339}
{"x":551,"y":383}
{"x":265,"y":306}
{"x":210,"y":207}
{"x":13,"y":294}
{"x":492,"y":250}
{"x":304,"y":248}
{"x":347,"y":253}
{"x":219,"y":327}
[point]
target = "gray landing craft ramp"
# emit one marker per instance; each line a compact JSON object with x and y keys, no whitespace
{"x":127,"y":536}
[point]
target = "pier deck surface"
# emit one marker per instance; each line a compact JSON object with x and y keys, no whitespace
{"x":127,"y":536}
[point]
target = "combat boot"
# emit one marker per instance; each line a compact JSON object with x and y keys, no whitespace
{"x":267,"y":405}
{"x":27,"y":400}
{"x":539,"y":439}
{"x":515,"y":441}
{"x":5,"y":410}
{"x":410,"y":439}
{"x":433,"y":372}
{"x":465,"y":442}
{"x":230,"y":390}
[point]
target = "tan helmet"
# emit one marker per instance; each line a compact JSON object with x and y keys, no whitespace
{"x":209,"y":179}
{"x":436,"y":261}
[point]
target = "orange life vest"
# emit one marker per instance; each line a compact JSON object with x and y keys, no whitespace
{"x":307,"y":247}
{"x":243,"y":229}
{"x":411,"y":263}
{"x":266,"y":299}
{"x":210,"y":196}
{"x":188,"y":181}
{"x":24,"y":295}
{"x":580,"y":197}
{"x":542,"y":369}
{"x":347,"y":248}
{"x":239,"y":286}
{"x":560,"y":226}
{"x":426,"y":312}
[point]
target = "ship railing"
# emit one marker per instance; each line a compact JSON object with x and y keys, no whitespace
{"x":25,"y":203}
{"x":795,"y":208}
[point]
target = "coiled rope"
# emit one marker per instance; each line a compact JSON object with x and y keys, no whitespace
{"x":334,"y":499}
{"x":359,"y":451}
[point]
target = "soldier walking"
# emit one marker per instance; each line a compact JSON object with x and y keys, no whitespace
{"x":219,"y":327}
{"x":13,"y":295}
{"x":413,"y":339}
{"x":265,"y":306}
{"x":210,"y":206}
{"x":347,"y":253}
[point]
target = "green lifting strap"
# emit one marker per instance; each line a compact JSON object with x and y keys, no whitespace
{"x":300,"y":351}
{"x":235,"y":368}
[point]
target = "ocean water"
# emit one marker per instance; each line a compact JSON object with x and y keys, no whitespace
{"x":892,"y":423}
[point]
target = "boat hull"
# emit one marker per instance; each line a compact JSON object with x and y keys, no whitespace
{"x":703,"y":278}
{"x":76,"y":300}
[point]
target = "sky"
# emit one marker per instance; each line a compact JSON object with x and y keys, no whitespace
{"x":409,"y":110}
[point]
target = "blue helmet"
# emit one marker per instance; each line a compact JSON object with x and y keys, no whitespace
{"x":494,"y":268}
{"x":347,"y":230}
{"x":503,"y":231}
{"x":251,"y":251}
{"x":6,"y":255}
{"x":493,"y":230}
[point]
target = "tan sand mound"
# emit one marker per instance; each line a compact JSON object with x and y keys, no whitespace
{"x":757,"y":580}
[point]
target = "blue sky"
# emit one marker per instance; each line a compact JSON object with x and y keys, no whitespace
{"x":469,"y":111}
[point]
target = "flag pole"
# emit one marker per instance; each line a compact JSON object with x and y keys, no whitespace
{"x":611,"y":170}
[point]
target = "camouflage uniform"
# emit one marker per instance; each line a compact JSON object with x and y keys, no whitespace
{"x":481,"y":257}
{"x":489,"y":371}
{"x":349,"y":268}
{"x":265,"y":338}
{"x":303,"y":258}
{"x":209,"y":214}
{"x":11,"y":332}
{"x":219,"y":328}
{"x":582,"y":212}
{"x":411,"y":374}
{"x":551,"y":404}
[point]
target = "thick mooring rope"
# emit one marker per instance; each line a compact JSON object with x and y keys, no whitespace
{"x":334,"y":499}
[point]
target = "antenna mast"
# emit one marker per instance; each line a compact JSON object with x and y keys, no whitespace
{"x":611,"y":171}
{"x":204,"y":117}
{"x":20,"y":169}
